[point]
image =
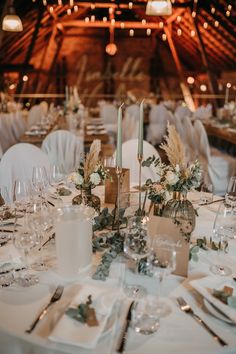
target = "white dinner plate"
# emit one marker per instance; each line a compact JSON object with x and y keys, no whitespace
{"x":216,"y":313}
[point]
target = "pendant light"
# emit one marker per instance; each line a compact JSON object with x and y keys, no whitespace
{"x":11,"y":21}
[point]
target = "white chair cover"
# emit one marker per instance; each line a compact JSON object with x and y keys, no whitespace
{"x":158,"y":118}
{"x":183,"y":111}
{"x":203,"y":112}
{"x":129,"y":160}
{"x":189,"y":139}
{"x":35,"y":115}
{"x":216,"y":169}
{"x":63,"y":148}
{"x":130,"y":124}
{"x":18,"y":163}
{"x":108,"y":112}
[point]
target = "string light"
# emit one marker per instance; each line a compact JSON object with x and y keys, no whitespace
{"x":229,"y":7}
{"x":51,"y":9}
{"x":227,"y":13}
{"x":205,"y":25}
{"x":149,"y":31}
{"x":131,"y":32}
{"x":192,"y":33}
{"x":130,"y":5}
{"x":45,"y":2}
{"x":59,"y":2}
{"x":122,"y":25}
{"x":104,"y":19}
{"x":93,"y":18}
{"x":179,"y":32}
{"x":76,"y":9}
{"x":216,"y":23}
{"x":163,"y":37}
{"x":25,"y":78}
{"x":12,"y":86}
{"x":144,"y":21}
{"x":179,"y":18}
{"x":110,"y":10}
{"x":69,"y":12}
{"x":228,"y":85}
{"x":92,"y":6}
{"x":71,"y":3}
{"x":113,"y":21}
{"x":161,"y":24}
{"x":213,"y":10}
{"x":86,"y":19}
{"x":203,"y":87}
{"x":190,"y":80}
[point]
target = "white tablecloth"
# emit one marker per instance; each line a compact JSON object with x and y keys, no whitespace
{"x":179,"y":333}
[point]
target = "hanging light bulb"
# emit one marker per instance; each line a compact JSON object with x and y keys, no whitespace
{"x":179,"y":18}
{"x":93,"y":18}
{"x":122,"y":25}
{"x":159,"y":7}
{"x":45,"y":2}
{"x":179,"y":32}
{"x":104,"y":19}
{"x":51,"y":9}
{"x":192,"y":33}
{"x":216,"y":23}
{"x":76,"y":8}
{"x":227,"y":13}
{"x":86,"y":19}
{"x":149,"y":31}
{"x":213,"y":10}
{"x":130,"y":5}
{"x":163,"y":37}
{"x":131,"y":32}
{"x":229,"y":7}
{"x":69,"y":12}
{"x":25,"y":78}
{"x":71,"y":3}
{"x":205,"y":25}
{"x":161,"y":24}
{"x":113,"y":21}
{"x":144,"y":21}
{"x":194,"y":14}
{"x":11,"y":21}
{"x":59,"y":2}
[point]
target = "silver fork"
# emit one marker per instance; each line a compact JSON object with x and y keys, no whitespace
{"x":186,"y":308}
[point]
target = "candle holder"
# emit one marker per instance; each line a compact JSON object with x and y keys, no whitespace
{"x":119,"y":184}
{"x":140,"y":159}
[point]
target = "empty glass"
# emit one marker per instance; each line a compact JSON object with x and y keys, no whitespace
{"x":55,"y":178}
{"x":25,"y":240}
{"x":40,"y":180}
{"x":206,"y":194}
{"x":136,"y":246}
{"x":22,"y":195}
{"x":162,"y":262}
{"x":230,"y":196}
{"x":4,"y":214}
{"x":145,"y":318}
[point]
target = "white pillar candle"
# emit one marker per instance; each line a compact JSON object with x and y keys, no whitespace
{"x":119,"y":139}
{"x":140,"y":133}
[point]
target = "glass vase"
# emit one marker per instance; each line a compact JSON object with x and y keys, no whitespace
{"x":181,"y":210}
{"x":88,"y":199}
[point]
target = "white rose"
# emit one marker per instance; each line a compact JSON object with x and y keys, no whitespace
{"x":95,"y":178}
{"x":76,"y":178}
{"x":171,"y":178}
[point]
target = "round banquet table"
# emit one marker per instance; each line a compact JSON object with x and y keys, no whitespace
{"x":178,"y":333}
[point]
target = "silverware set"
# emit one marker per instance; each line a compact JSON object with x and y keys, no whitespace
{"x":185,"y":307}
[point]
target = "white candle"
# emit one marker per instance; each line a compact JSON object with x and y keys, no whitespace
{"x":119,"y":139}
{"x":140,"y":133}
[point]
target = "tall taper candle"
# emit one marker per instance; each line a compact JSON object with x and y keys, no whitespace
{"x":119,"y":139}
{"x":140,"y":133}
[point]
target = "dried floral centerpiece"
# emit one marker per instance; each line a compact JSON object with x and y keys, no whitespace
{"x":177,"y":178}
{"x":89,"y":174}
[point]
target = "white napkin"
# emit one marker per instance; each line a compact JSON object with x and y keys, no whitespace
{"x":69,"y":331}
{"x":205,"y":287}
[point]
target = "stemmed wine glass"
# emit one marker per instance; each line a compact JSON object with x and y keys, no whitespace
{"x":25,"y":240}
{"x":230,"y":196}
{"x":162,"y":262}
{"x":22,"y":195}
{"x":4,"y":211}
{"x":223,"y":230}
{"x":55,"y":177}
{"x":136,"y":246}
{"x":40,"y":180}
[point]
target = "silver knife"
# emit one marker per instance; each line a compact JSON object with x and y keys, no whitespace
{"x":123,"y":336}
{"x":55,"y":297}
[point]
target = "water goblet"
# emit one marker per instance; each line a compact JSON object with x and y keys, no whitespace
{"x":162,"y":262}
{"x":136,"y":246}
{"x":24,"y":241}
{"x":55,"y":178}
{"x":40,"y":180}
{"x":4,"y":212}
{"x":22,"y":195}
{"x":223,"y":230}
{"x":230,"y":196}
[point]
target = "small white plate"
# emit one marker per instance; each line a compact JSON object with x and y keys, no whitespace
{"x":216,"y":313}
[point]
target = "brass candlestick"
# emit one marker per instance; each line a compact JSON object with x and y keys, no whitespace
{"x":140,"y":159}
{"x":119,"y":184}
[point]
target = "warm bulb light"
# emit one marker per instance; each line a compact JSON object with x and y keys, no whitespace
{"x":131,"y":32}
{"x":194,"y":14}
{"x":203,"y":88}
{"x":25,"y":78}
{"x":12,"y":23}
{"x":130,"y":5}
{"x":122,"y":25}
{"x":76,"y":8}
{"x":216,"y":23}
{"x":161,"y":24}
{"x":192,"y":33}
{"x":149,"y":31}
{"x":86,"y":19}
{"x":190,"y":80}
{"x":111,"y":49}
{"x":179,"y":32}
{"x":205,"y":25}
{"x":213,"y":10}
{"x":12,"y":86}
{"x":228,"y":85}
{"x":158,"y":8}
{"x":144,"y":22}
{"x":104,"y":19}
{"x":164,"y":37}
{"x":69,"y":12}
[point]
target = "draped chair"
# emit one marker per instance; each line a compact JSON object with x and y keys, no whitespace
{"x":158,"y":118}
{"x":216,"y":169}
{"x":35,"y":115}
{"x":18,"y":162}
{"x":64,"y":149}
{"x":130,"y":124}
{"x":129,"y":160}
{"x":189,"y":139}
